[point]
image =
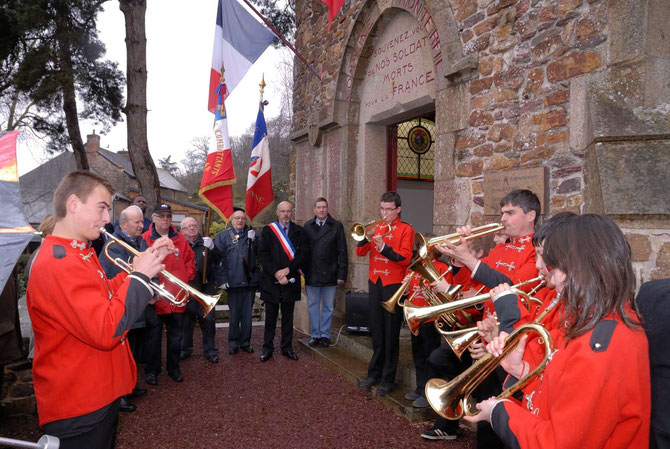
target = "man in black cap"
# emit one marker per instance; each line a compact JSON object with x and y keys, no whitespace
{"x":182,"y":265}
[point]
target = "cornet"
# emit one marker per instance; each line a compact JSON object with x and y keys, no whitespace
{"x":181,"y":297}
{"x":453,"y":399}
{"x":359,"y":232}
{"x":424,"y":245}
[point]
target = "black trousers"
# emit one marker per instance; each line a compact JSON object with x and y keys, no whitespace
{"x":173,"y":324}
{"x":100,"y":436}
{"x":385,"y":330}
{"x":428,"y":340}
{"x":195,"y":311}
{"x":271,"y":314}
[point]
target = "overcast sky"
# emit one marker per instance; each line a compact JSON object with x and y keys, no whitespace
{"x":179,"y":52}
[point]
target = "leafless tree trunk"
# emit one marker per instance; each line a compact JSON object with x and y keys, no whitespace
{"x":136,"y":106}
{"x":70,"y":104}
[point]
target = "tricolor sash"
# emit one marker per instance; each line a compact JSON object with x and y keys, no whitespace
{"x":286,"y":244}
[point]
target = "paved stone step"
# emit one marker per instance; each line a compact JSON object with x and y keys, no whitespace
{"x":352,"y":369}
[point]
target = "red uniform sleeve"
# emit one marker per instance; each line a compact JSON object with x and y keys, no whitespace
{"x":592,"y":400}
{"x":189,"y":261}
{"x":363,"y":250}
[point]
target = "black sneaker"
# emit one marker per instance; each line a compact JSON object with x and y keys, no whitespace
{"x":437,"y":434}
{"x":314,"y":341}
{"x":325,"y":342}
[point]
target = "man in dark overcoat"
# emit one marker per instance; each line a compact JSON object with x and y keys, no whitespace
{"x":283,"y":253}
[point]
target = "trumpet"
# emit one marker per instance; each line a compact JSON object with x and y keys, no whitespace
{"x":359,"y":232}
{"x":453,"y":399}
{"x":181,"y":297}
{"x":414,"y":316}
{"x":424,"y":245}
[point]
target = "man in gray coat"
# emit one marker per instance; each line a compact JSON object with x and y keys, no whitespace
{"x":238,"y":274}
{"x":327,"y":268}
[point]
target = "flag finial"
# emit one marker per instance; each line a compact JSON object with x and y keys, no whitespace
{"x":262,"y":86}
{"x":222,"y":79}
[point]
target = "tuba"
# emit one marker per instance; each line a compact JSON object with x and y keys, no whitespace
{"x":453,"y":399}
{"x":180,"y":298}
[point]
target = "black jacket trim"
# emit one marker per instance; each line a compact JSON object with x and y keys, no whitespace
{"x":602,"y":335}
{"x":490,"y":277}
{"x":137,"y":298}
{"x":500,"y":423}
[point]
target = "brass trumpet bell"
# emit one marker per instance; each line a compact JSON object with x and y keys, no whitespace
{"x":414,"y":316}
{"x":185,"y":291}
{"x":359,"y":232}
{"x":453,"y":399}
{"x":422,"y":267}
{"x":424,"y":245}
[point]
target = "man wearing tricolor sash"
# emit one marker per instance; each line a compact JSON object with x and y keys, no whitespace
{"x":283,"y":252}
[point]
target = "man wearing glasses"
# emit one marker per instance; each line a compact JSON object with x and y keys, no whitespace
{"x":389,"y":247}
{"x":206,"y":260}
{"x":237,"y":273}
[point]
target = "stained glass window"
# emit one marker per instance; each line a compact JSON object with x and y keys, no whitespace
{"x":415,"y":150}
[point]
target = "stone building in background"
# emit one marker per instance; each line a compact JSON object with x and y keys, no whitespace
{"x":453,"y":102}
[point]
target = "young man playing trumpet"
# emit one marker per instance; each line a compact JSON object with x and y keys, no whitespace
{"x":390,"y":252}
{"x":83,"y":364}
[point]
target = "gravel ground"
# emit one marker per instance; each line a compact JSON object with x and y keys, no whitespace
{"x":243,"y":403}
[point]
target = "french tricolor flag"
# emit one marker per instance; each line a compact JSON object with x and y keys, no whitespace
{"x":239,"y":40}
{"x":259,"y":182}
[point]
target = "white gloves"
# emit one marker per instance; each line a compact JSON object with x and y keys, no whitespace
{"x":208,"y":242}
{"x":224,"y":286}
{"x":251,"y":234}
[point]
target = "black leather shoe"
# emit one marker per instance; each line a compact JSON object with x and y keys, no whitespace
{"x":126,"y":406}
{"x":138,"y":392}
{"x":313,"y":342}
{"x":248,"y":349}
{"x":213,"y":359}
{"x":385,"y":389}
{"x":266,"y":356}
{"x":325,"y":342}
{"x":290,"y":354}
{"x":176,"y":376}
{"x":232,"y":351}
{"x":368,"y":382}
{"x":151,"y":379}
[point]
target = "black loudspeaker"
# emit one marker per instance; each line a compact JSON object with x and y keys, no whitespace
{"x":357,"y":316}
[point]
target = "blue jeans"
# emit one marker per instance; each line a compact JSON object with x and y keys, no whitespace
{"x":240,"y":303}
{"x":207,"y":325}
{"x":320,"y":303}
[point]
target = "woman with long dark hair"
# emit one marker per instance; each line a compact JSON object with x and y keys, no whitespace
{"x":594,"y":392}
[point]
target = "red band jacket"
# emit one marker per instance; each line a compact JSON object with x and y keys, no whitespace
{"x":82,"y":361}
{"x":594,"y":393}
{"x":181,"y":264}
{"x":391,"y":264}
{"x":512,"y":262}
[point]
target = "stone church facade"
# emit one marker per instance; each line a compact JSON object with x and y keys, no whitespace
{"x":571,"y":97}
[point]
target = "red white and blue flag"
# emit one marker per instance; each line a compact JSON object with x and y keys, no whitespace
{"x":216,"y":186}
{"x":15,"y":232}
{"x":259,"y":181}
{"x":239,"y":40}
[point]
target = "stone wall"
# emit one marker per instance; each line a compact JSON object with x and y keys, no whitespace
{"x":577,"y":86}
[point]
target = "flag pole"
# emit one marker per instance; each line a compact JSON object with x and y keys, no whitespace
{"x":284,"y":40}
{"x":204,"y":264}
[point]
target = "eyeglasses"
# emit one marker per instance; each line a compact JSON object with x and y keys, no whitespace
{"x":189,"y":226}
{"x":387,"y":209}
{"x":239,"y":218}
